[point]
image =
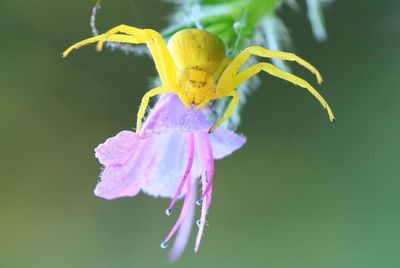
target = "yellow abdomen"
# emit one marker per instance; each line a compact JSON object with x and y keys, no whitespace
{"x":197,"y":49}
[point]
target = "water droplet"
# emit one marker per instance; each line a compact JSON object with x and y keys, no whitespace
{"x":168,"y":211}
{"x":199,"y":202}
{"x":198,"y":222}
{"x":164,"y":244}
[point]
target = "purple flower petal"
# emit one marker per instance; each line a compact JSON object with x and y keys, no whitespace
{"x":169,"y":171}
{"x":125,"y":178}
{"x":225,"y":142}
{"x":170,"y":115}
{"x":117,"y":150}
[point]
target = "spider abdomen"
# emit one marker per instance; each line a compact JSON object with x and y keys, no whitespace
{"x":196,"y":49}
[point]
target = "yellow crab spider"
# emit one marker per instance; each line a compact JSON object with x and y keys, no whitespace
{"x":194,"y":66}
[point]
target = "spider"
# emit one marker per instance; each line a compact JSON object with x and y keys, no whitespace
{"x":194,"y":65}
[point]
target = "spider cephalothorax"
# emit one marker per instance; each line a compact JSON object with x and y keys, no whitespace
{"x":199,"y":57}
{"x":194,"y":66}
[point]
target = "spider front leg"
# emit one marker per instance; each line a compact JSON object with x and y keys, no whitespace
{"x":81,"y":44}
{"x":158,"y":49}
{"x":274,"y":71}
{"x":145,"y":103}
{"x":125,"y":29}
{"x":232,"y":105}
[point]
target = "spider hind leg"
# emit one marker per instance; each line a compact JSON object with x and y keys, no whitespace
{"x":274,"y":71}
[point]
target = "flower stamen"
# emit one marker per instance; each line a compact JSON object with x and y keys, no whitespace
{"x":168,"y":211}
{"x":209,"y":176}
{"x":202,"y":220}
{"x":198,"y":223}
{"x":181,"y":217}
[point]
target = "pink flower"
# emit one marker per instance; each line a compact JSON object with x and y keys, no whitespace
{"x":173,"y":150}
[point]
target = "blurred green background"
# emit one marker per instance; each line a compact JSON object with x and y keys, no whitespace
{"x":301,"y":193}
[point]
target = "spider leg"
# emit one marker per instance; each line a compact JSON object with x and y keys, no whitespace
{"x":182,"y":96}
{"x":145,"y":102}
{"x":235,"y":98}
{"x":221,"y":68}
{"x":274,"y":71}
{"x":234,"y":67}
{"x":82,"y":43}
{"x":201,"y":104}
{"x":161,"y":55}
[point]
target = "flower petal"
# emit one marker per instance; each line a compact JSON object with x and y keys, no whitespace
{"x":168,"y":172}
{"x":225,"y":142}
{"x":117,"y":150}
{"x":170,"y":115}
{"x":126,"y":170}
{"x":155,"y":160}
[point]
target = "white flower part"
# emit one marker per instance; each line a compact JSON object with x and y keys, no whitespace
{"x":316,"y":18}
